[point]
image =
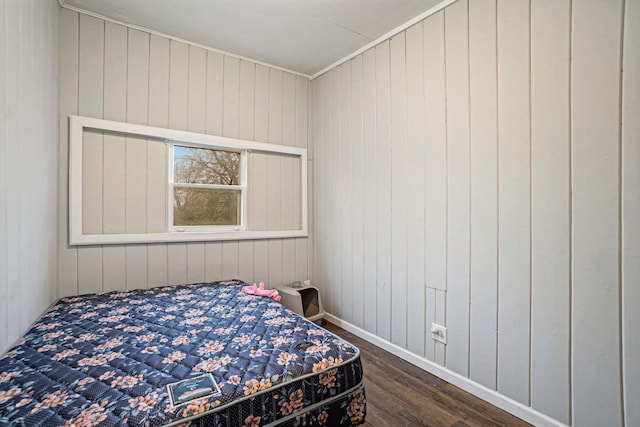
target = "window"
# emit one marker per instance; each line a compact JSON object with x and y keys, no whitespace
{"x":131,"y":183}
{"x":207,"y":188}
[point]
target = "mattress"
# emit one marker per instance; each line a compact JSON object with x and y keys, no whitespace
{"x":120,"y":358}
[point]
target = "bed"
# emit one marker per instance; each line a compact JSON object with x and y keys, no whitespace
{"x":187,"y":355}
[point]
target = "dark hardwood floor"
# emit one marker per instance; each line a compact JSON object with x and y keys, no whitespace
{"x":401,"y":394}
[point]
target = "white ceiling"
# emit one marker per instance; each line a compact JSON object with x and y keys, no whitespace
{"x":304,"y":36}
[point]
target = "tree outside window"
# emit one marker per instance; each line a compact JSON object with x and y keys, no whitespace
{"x":207,"y":187}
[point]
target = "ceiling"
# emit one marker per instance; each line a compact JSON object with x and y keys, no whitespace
{"x":304,"y":36}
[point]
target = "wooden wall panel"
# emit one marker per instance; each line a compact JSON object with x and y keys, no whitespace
{"x":458,"y":186}
{"x":4,"y":182}
{"x":215,"y":94}
{"x":514,"y":185}
{"x":436,"y":146}
{"x":303,"y":126}
{"x":334,"y":197}
{"x":115,"y":108}
{"x":113,"y":202}
{"x":230,"y":259}
{"x":138,"y":175}
{"x":319,"y":96}
{"x":28,"y":123}
{"x":370,"y":172}
{"x":630,"y":213}
{"x":25,"y":132}
{"x":246,"y":107}
{"x":157,"y":115}
{"x":197,"y":122}
{"x":90,"y":103}
{"x":344,"y":197}
{"x":287,"y":198}
{"x":399,"y":186}
{"x":213,"y":261}
{"x":90,"y":100}
{"x":68,"y":105}
{"x":178,"y":119}
{"x":274,"y":218}
{"x":274,"y":176}
{"x":357,"y":177}
{"x":484,"y":192}
{"x":436,"y":178}
{"x":416,"y":180}
{"x":176,"y":263}
{"x":526,"y":200}
{"x":247,"y":99}
{"x":383,"y":207}
{"x":149,"y":79}
{"x":231,"y":97}
{"x":258,"y":161}
{"x":595,"y":138}
{"x":550,"y":209}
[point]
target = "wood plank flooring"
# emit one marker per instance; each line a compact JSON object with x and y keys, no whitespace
{"x":401,"y":394}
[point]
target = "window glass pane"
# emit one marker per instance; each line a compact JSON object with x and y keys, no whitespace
{"x":205,"y":166}
{"x":195,"y":206}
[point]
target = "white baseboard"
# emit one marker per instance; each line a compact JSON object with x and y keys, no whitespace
{"x":524,"y":412}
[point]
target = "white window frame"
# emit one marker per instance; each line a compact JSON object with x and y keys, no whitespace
{"x":77,"y":125}
{"x":242,"y":187}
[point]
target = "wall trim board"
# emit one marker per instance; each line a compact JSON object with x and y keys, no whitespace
{"x":415,"y":20}
{"x":178,"y":39}
{"x":526,"y":413}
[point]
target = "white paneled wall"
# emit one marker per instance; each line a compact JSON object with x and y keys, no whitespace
{"x":118,"y":73}
{"x":481,"y":170}
{"x":28,"y":163}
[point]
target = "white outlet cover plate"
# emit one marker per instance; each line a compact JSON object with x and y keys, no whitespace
{"x":439,"y":333}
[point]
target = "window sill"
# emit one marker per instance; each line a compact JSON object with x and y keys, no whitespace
{"x":185,"y":236}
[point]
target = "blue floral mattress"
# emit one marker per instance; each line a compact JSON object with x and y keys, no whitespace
{"x":113,"y":359}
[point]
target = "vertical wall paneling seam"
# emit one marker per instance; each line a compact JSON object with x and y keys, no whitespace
{"x":146,"y":164}
{"x":446,"y":182}
{"x":470,"y":192}
{"x":146,"y":205}
{"x":168,"y":177}
{"x":497,"y":40}
{"x":621,"y":311}
{"x":104,"y":73}
{"x":339,"y":277}
{"x":405,"y":213}
{"x":266,"y":163}
{"x":426,"y":203}
{"x":56,"y":68}
{"x":3,"y":119}
{"x":186,"y":127}
{"x":374,"y":125}
{"x":126,"y":115}
{"x":147,"y":122}
{"x":188,"y":112}
{"x":530,"y":210}
{"x":77,"y":109}
{"x":570,"y":219}
{"x":104,"y":68}
{"x":390,"y":231}
{"x":282,"y":98}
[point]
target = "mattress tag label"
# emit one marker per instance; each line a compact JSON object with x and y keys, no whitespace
{"x":192,"y":388}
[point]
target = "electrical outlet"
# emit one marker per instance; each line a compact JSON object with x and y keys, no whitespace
{"x":439,"y":333}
